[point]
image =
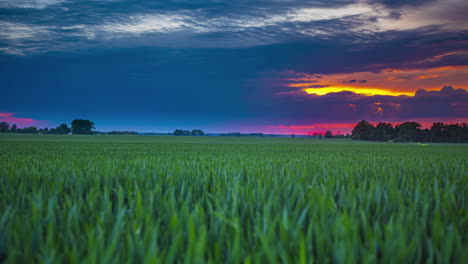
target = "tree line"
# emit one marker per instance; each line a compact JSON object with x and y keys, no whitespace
{"x":195,"y":132}
{"x":411,"y":132}
{"x":78,"y":126}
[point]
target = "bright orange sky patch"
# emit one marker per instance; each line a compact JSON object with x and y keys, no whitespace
{"x":357,"y":90}
{"x":392,"y":82}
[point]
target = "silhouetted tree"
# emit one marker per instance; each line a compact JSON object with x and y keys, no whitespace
{"x":382,"y":132}
{"x":439,"y":132}
{"x":362,"y":131}
{"x":4,"y":127}
{"x":62,"y":129}
{"x":328,"y":134}
{"x":180,"y":132}
{"x":197,"y":132}
{"x":43,"y":131}
{"x":13,"y":128}
{"x":27,"y":130}
{"x":408,"y":131}
{"x":82,"y":126}
{"x":454,"y":133}
{"x":424,"y":135}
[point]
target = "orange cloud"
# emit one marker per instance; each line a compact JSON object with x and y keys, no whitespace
{"x":391,"y":82}
{"x":357,"y":90}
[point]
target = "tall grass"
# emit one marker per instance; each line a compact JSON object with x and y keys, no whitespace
{"x":142,"y":199}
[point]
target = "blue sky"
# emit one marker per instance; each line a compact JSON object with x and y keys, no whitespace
{"x":223,"y":66}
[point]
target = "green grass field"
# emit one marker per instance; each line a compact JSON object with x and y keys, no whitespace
{"x":156,"y":199}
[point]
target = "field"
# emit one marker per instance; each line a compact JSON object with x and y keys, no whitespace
{"x":157,"y":199}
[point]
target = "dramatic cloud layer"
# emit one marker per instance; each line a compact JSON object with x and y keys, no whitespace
{"x":44,"y":25}
{"x":260,"y":66}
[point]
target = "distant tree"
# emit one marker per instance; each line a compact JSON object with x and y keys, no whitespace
{"x":197,"y":132}
{"x":62,"y":129}
{"x":382,"y":132}
{"x":408,"y":131}
{"x":464,"y":128}
{"x":293,"y":136}
{"x":454,"y":133}
{"x":27,"y":130}
{"x":439,"y":132}
{"x":13,"y":128}
{"x":4,"y":127}
{"x":82,"y":126}
{"x":43,"y":131}
{"x":328,"y":134}
{"x":362,"y":131}
{"x":180,"y":132}
{"x":232,"y":134}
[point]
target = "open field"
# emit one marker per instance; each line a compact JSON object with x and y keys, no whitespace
{"x":150,"y":199}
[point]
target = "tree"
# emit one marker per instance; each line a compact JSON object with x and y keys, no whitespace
{"x":43,"y":131}
{"x":439,"y":132}
{"x":180,"y":132}
{"x":197,"y":132}
{"x":62,"y":129}
{"x":382,"y":132}
{"x":13,"y":128}
{"x":362,"y":131}
{"x":82,"y":126}
{"x":4,"y":127}
{"x":409,"y":131}
{"x":464,"y":128}
{"x":28,"y":130}
{"x":328,"y":134}
{"x":454,"y":133}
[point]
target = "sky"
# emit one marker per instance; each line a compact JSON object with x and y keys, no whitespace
{"x":270,"y":66}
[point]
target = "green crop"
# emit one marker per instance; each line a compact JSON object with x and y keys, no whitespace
{"x":156,"y":199}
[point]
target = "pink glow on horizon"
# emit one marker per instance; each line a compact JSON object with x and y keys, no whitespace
{"x":19,"y":121}
{"x":345,"y":128}
{"x":316,"y":128}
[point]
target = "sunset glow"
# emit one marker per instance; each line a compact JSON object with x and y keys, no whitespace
{"x":357,"y":90}
{"x":389,"y":82}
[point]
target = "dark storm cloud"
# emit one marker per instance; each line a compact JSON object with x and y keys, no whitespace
{"x":345,"y":106}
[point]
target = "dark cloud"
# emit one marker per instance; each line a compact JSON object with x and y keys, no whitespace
{"x":400,"y":3}
{"x":354,"y":81}
{"x":445,"y":103}
{"x":395,"y":14}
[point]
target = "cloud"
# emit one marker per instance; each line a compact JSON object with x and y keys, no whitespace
{"x":37,"y":4}
{"x":354,"y":81}
{"x":72,"y":25}
{"x":21,"y":122}
{"x":384,"y":82}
